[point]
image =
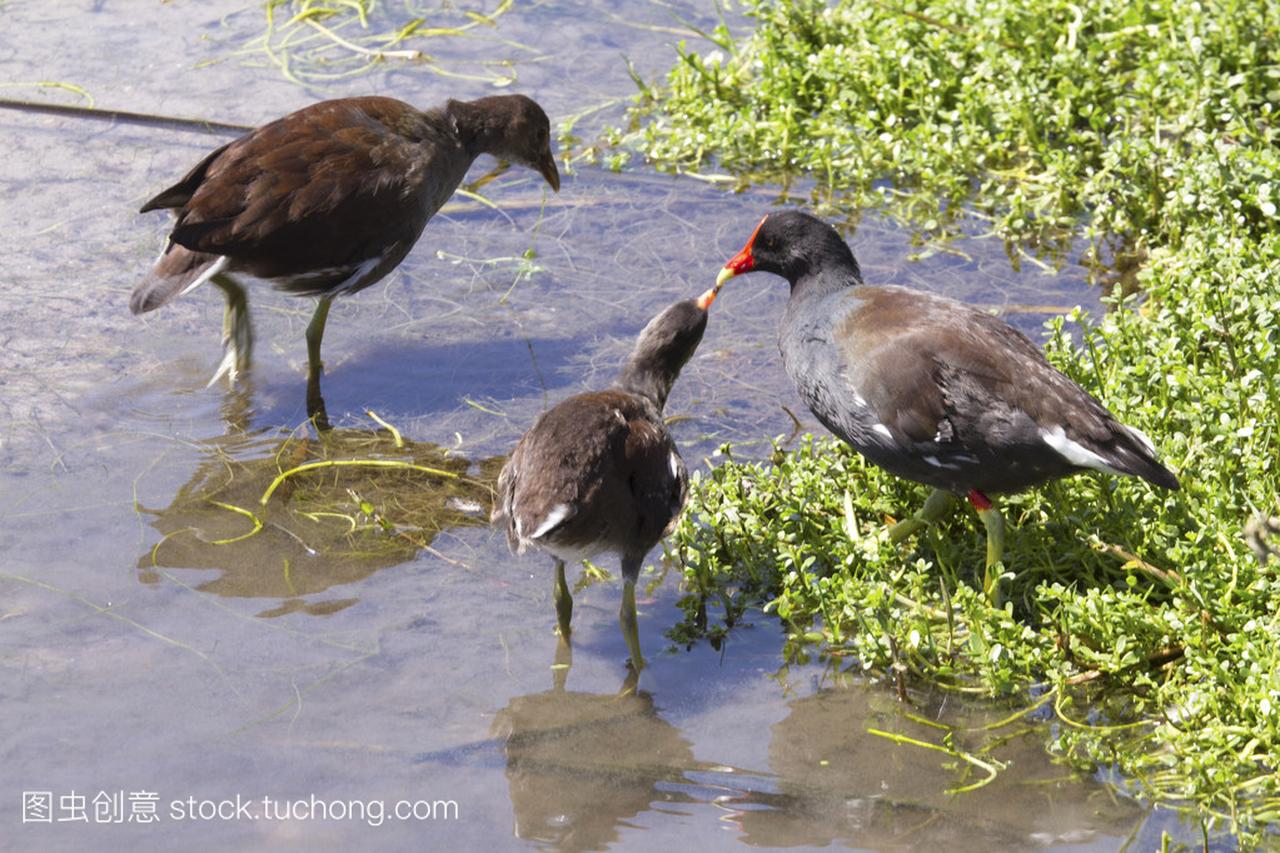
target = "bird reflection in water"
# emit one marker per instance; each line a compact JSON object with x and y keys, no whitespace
{"x":839,"y":782}
{"x":581,"y":766}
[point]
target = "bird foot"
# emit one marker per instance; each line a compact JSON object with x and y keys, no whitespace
{"x":235,"y":359}
{"x":630,"y":684}
{"x":991,"y":578}
{"x":237,"y":332}
{"x":228,"y":367}
{"x":935,"y":507}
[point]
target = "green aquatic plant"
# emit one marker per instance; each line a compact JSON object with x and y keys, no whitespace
{"x":307,"y":513}
{"x":1125,"y":118}
{"x":318,"y":41}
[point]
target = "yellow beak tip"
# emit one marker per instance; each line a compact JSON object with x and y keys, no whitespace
{"x":725,"y":275}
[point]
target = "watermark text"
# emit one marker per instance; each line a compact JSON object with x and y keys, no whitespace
{"x":143,"y":806}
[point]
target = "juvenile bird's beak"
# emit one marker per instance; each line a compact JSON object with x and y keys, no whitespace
{"x":547,"y":168}
{"x":704,"y":301}
{"x":741,"y":262}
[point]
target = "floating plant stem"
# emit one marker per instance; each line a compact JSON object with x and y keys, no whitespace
{"x":257,"y":523}
{"x":990,"y":768}
{"x":328,"y":40}
{"x":395,"y":433}
{"x":350,"y":463}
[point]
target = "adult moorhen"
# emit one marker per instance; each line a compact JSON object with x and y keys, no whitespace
{"x":327,"y":201}
{"x":929,"y":388}
{"x":599,"y":471}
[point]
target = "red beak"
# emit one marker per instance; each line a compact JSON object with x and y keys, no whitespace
{"x":741,"y":262}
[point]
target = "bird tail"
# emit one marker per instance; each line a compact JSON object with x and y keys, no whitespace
{"x":1132,"y":452}
{"x":503,"y":516}
{"x":177,"y":271}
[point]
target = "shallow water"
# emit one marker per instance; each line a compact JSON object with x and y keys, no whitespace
{"x":147,"y":645}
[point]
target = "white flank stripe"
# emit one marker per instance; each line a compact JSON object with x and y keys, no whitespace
{"x":214,"y":268}
{"x":676,"y":465}
{"x":883,"y":430}
{"x":325,"y":272}
{"x":558,"y":514}
{"x":1074,"y":452}
{"x":1143,"y":438}
{"x":357,"y":274}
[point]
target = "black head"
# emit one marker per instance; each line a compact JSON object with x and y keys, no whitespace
{"x":513,"y":128}
{"x":793,"y":244}
{"x":664,"y":346}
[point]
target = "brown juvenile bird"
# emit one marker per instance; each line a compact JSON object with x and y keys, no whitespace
{"x":327,"y":201}
{"x":599,"y":471}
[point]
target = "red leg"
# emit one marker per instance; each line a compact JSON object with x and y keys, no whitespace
{"x":979,"y":500}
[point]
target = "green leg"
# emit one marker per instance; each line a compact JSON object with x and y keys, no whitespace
{"x":630,"y":627}
{"x":237,"y":330}
{"x":994,"y":522}
{"x":564,"y":601}
{"x":315,"y":333}
{"x":562,"y":664}
{"x":630,"y":683}
{"x":934,"y":508}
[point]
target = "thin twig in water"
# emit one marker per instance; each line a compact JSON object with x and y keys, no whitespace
{"x":473,"y":404}
{"x":109,"y":612}
{"x":148,"y":119}
{"x":1167,"y":576}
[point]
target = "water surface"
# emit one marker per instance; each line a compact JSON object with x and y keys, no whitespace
{"x":148,"y":645}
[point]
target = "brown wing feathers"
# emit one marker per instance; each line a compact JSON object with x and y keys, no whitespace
{"x":980,"y":378}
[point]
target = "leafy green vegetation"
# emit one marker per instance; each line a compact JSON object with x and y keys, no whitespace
{"x":1146,"y":605}
{"x":1139,"y":621}
{"x":1142,"y":115}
